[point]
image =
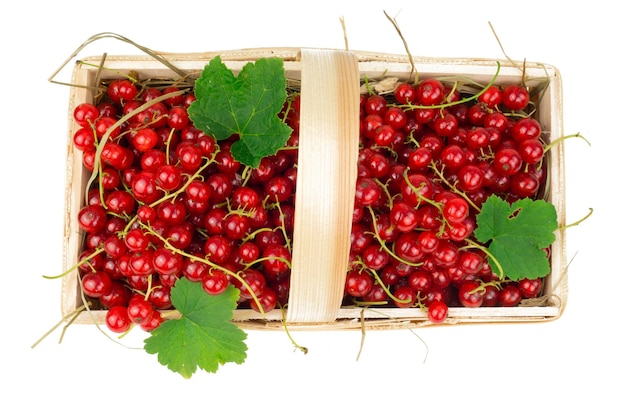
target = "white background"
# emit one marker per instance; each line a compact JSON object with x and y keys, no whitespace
{"x":575,"y":364}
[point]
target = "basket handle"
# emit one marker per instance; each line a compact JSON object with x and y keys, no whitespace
{"x":327,"y":171}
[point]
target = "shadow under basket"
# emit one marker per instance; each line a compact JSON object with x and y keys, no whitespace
{"x":330,"y":82}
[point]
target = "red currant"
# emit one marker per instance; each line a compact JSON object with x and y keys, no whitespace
{"x":437,"y":311}
{"x":117,"y":319}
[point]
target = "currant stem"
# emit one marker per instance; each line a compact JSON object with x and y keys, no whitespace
{"x":368,"y":86}
{"x":269,"y":258}
{"x":493,"y":30}
{"x":246,"y":175}
{"x":365,"y":304}
{"x":362,"y":315}
{"x":416,"y":191}
{"x":250,"y":236}
{"x":282,"y":227}
{"x":102,"y":35}
{"x":293,"y":342}
{"x":386,"y":191}
{"x":71,"y":315}
{"x":406,"y":47}
{"x":77,"y":265}
{"x":483,"y":285}
{"x":561,"y":139}
{"x":576,"y":223}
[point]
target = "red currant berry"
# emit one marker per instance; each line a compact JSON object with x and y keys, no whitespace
{"x":168,"y":177}
{"x":154,"y":322}
{"x":92,"y":218}
{"x":119,"y":295}
{"x":117,"y":319}
{"x":139,"y":309}
{"x":84,"y":139}
{"x":167,"y":262}
{"x":524,"y":184}
{"x":375,"y":104}
{"x":530,"y":288}
{"x":368,"y":192}
{"x":358,"y":283}
{"x":403,"y":216}
{"x":471,"y":294}
{"x":215,"y":282}
{"x":491,"y":97}
{"x":96,"y":284}
{"x":395,"y":117}
{"x":531,"y":151}
{"x":405,"y":93}
{"x":404,"y":297}
{"x":525,"y":128}
{"x":430,"y":92}
{"x":177,"y":118}
{"x":509,"y":296}
{"x":85,"y":114}
{"x":437,"y":311}
{"x":507,"y":161}
{"x":276,"y":259}
{"x":145,"y":139}
{"x":515,"y":97}
{"x":455,"y":210}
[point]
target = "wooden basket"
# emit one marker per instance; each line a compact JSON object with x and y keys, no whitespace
{"x":330,"y":82}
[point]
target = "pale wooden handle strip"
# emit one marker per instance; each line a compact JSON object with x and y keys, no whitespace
{"x":327,"y":169}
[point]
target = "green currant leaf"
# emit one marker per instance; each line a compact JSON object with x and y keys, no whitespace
{"x":204,"y":337}
{"x":246,"y":105}
{"x":518,"y":233}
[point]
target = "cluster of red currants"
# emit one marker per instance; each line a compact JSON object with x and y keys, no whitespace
{"x":170,"y":202}
{"x":429,"y":158}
